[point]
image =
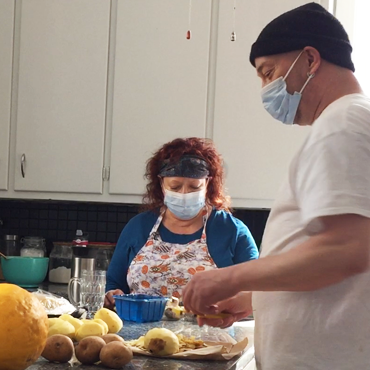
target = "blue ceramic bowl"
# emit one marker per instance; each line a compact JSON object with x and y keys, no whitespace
{"x":27,"y":272}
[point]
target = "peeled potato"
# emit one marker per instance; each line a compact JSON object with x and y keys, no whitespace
{"x":115,"y":355}
{"x":89,"y":329}
{"x":113,"y":321}
{"x":52,"y":321}
{"x":103,"y":324}
{"x":88,"y":350}
{"x":58,"y":348}
{"x":75,"y":322}
{"x":112,"y":338}
{"x":161,"y":342}
{"x":62,"y":327}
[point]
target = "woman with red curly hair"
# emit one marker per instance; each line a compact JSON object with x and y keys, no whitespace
{"x":187,"y":227}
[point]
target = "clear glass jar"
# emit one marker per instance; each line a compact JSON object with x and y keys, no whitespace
{"x":33,"y":246}
{"x":60,"y":263}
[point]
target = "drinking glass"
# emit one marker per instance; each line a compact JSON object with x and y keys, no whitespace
{"x":91,"y":290}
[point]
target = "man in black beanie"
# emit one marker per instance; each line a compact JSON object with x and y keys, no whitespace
{"x":311,"y":286}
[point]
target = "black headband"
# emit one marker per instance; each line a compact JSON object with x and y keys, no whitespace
{"x":188,"y":166}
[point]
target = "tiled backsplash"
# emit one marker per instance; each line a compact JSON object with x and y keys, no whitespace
{"x":58,"y":221}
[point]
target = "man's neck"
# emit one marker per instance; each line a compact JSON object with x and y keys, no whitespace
{"x":336,"y":88}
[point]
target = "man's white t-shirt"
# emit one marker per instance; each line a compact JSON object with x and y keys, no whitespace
{"x":326,"y":329}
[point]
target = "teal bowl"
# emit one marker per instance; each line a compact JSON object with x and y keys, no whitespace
{"x":27,"y":272}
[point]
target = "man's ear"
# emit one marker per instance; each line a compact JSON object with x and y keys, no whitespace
{"x":313,"y":59}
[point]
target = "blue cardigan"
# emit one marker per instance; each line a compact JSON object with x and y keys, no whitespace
{"x":229,"y":242}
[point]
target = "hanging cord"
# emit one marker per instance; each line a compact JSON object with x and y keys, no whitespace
{"x":188,"y":34}
{"x":233,"y":33}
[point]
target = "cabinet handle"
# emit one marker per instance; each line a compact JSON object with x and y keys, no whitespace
{"x":23,"y":161}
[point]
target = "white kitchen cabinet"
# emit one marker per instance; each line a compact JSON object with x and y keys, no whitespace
{"x":6,"y":56}
{"x":61,"y":95}
{"x":256,"y":148}
{"x":160,"y":83}
{"x":105,"y":83}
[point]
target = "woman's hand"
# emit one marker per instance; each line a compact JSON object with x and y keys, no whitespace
{"x":239,"y":307}
{"x":109,"y":300}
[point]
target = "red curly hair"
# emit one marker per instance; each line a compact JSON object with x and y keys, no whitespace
{"x":173,"y":151}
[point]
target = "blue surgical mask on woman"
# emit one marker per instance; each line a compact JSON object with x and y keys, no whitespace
{"x":278,"y":102}
{"x":185,"y":206}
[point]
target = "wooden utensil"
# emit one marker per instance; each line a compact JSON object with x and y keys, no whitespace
{"x":3,"y":255}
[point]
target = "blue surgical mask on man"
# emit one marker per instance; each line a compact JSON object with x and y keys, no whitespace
{"x":278,"y":102}
{"x":185,"y":206}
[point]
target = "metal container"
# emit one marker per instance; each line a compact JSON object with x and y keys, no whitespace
{"x":80,"y":264}
{"x":10,"y":246}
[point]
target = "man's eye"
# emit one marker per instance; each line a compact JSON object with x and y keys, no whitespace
{"x":268,"y":73}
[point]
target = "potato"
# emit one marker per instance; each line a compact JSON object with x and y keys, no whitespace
{"x":88,"y":350}
{"x":103,"y":324}
{"x":58,"y":348}
{"x":75,"y":322}
{"x":112,"y":338}
{"x":113,"y":321}
{"x":62,"y":327}
{"x":89,"y":329}
{"x":115,"y":355}
{"x":52,"y":321}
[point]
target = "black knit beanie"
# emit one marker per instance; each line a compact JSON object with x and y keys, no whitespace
{"x":307,"y":25}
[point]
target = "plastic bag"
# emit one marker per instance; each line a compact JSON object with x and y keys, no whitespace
{"x":53,"y":304}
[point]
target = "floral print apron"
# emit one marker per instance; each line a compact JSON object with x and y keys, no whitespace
{"x":162,"y":268}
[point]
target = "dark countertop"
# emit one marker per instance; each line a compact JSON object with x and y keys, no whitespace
{"x":132,"y":330}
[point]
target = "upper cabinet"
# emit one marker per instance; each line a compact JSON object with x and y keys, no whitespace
{"x":256,"y":148}
{"x":62,"y":48}
{"x":160,"y":83}
{"x":6,"y":56}
{"x":103,"y":84}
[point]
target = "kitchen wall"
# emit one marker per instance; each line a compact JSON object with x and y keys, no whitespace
{"x":58,"y":221}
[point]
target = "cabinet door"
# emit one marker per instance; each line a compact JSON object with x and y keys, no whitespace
{"x":62,"y":95}
{"x":256,"y":148}
{"x":160,"y":83}
{"x":6,"y":56}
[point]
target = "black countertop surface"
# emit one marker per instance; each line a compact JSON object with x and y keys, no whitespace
{"x":132,"y":330}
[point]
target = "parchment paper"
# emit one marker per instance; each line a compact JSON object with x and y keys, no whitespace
{"x":214,"y":351}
